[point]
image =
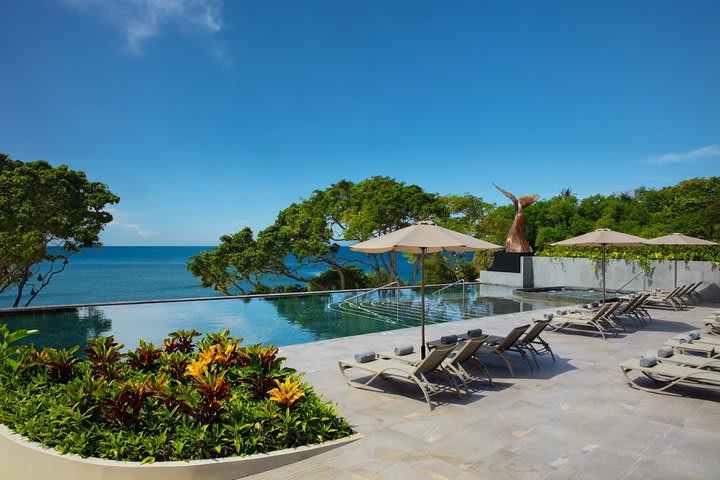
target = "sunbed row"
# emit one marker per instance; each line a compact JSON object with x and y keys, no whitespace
{"x":454,"y":359}
{"x":712,"y":323}
{"x":677,"y":298}
{"x":607,"y":319}
{"x":691,"y":358}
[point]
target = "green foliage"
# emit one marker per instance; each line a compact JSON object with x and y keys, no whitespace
{"x":312,"y":230}
{"x":438,"y":270}
{"x":448,"y":268}
{"x":353,"y":276}
{"x":643,"y":255}
{"x":182,"y":341}
{"x":10,"y":354}
{"x":46,"y":215}
{"x":263,"y":290}
{"x":58,"y":363}
{"x":144,"y":357}
{"x":105,"y":356}
{"x":214,"y":399}
{"x":466,"y":214}
{"x":691,"y":207}
{"x":237,"y":261}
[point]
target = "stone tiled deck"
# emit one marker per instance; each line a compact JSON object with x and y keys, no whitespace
{"x":576,"y":418}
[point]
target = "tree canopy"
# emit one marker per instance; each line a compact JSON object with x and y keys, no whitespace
{"x":46,"y":215}
{"x":312,"y":230}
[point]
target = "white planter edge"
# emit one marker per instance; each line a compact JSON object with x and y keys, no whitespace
{"x":22,"y":459}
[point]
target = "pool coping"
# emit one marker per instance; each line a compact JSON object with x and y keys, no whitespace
{"x":73,"y":306}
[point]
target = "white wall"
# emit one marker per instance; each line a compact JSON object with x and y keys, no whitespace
{"x":583,"y":272}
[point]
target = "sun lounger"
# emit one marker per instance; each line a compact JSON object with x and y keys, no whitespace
{"x":510,"y":343}
{"x":699,"y":348}
{"x":713,"y":325}
{"x":667,"y":375}
{"x":632,"y":307}
{"x":687,"y":360}
{"x":610,"y":319}
{"x":594,"y":321}
{"x":533,"y":343}
{"x":695,"y":293}
{"x":463,"y":353}
{"x":706,"y":339}
{"x":668,"y":299}
{"x":691,"y":294}
{"x":417,"y":373}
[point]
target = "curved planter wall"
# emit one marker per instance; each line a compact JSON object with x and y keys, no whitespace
{"x":23,"y":460}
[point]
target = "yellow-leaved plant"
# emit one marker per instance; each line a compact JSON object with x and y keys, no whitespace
{"x":286,"y":393}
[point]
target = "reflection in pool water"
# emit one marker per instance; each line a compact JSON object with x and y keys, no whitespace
{"x":281,"y":321}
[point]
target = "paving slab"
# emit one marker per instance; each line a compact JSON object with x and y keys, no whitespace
{"x":575,"y":418}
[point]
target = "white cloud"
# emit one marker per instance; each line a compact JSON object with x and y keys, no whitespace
{"x":691,"y":156}
{"x":140,"y":20}
{"x":123,"y":221}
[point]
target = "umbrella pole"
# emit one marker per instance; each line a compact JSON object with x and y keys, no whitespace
{"x":603,"y":272}
{"x":676,"y":251}
{"x":422,"y":301}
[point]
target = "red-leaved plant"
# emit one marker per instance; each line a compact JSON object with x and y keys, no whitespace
{"x":181,"y":341}
{"x":144,"y":357}
{"x":104,"y":354}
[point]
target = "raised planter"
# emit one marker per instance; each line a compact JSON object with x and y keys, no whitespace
{"x":24,"y":460}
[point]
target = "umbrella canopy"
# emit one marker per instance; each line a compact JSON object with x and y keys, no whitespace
{"x":602,"y":238}
{"x":678,"y":240}
{"x":423,"y":238}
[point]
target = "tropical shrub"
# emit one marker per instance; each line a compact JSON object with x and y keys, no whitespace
{"x":354,"y":277}
{"x":191,"y":400}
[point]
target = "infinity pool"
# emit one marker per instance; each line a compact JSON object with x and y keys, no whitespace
{"x":281,"y":321}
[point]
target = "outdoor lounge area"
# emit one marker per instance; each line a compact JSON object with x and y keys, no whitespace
{"x":572,"y":418}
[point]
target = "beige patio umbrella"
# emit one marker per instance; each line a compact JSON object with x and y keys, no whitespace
{"x":678,"y":239}
{"x":423,"y":238}
{"x":602,"y":238}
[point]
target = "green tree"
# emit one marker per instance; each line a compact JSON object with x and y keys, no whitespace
{"x":46,"y":215}
{"x":312,"y":231}
{"x":355,"y":277}
{"x":235,"y":263}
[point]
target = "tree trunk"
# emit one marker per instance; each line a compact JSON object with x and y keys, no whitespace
{"x":21,"y":287}
{"x":415,"y":271}
{"x":378,"y":276}
{"x":341,"y":274}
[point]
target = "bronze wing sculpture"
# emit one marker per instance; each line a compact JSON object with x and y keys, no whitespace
{"x":516,"y":239}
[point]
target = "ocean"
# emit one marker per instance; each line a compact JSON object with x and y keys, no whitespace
{"x":114,"y":274}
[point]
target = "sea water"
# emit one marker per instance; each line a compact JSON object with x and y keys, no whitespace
{"x":115,"y":274}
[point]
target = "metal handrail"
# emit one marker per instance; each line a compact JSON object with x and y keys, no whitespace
{"x":626,"y":283}
{"x":462,"y":280}
{"x":371,"y":291}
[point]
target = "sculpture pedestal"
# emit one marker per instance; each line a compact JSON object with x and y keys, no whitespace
{"x":507,"y":261}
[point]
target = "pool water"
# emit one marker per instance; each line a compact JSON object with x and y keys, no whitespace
{"x":565,"y":294}
{"x":280,"y":321}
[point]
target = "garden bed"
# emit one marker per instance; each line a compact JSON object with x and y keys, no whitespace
{"x":214,"y":406}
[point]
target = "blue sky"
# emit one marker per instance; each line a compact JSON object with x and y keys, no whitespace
{"x":205,"y":116}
